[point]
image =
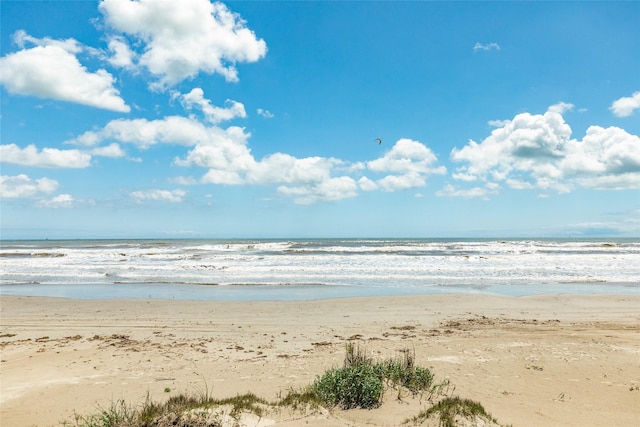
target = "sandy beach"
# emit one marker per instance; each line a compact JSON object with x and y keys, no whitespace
{"x":570,"y":360}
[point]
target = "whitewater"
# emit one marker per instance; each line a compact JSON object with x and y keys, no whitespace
{"x":301,"y":269}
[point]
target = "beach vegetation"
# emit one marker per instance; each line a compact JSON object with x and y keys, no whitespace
{"x":303,"y":399}
{"x":451,"y":410}
{"x":195,"y":409}
{"x":361,"y":381}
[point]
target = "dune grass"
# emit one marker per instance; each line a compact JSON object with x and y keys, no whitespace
{"x":360,"y":383}
{"x":194,"y":410}
{"x":450,"y":409}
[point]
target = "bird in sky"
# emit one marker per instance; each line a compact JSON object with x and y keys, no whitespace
{"x":379,"y":140}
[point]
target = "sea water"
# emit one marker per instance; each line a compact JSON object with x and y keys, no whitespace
{"x":316,"y":268}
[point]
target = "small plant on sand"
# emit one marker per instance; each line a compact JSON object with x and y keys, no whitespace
{"x":360,"y":382}
{"x":118,"y":414}
{"x":306,"y":398}
{"x":450,"y":408}
{"x":244,"y":403}
{"x":402,"y":372}
{"x":182,"y":409}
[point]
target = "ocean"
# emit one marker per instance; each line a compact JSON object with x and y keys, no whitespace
{"x":307,"y":269}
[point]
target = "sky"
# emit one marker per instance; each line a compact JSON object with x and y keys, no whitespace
{"x":280,"y":119}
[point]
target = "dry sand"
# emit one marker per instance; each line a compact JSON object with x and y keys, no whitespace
{"x":569,"y":360}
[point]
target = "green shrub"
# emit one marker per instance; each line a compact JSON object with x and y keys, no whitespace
{"x":351,"y":387}
{"x":360,"y":382}
{"x":402,"y":372}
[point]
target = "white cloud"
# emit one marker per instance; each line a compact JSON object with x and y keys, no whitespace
{"x":536,"y":151}
{"x":221,"y":176}
{"x":401,"y":182}
{"x":475,"y":192}
{"x":113,"y":151}
{"x":212,"y":114}
{"x":497,"y":123}
{"x":46,"y":158}
{"x":603,"y":151}
{"x":184,"y":38}
{"x":60,"y":201}
{"x":560,"y":107}
{"x":406,"y":156}
{"x":21,"y":38}
{"x":284,"y":168}
{"x":122,"y":56}
{"x":625,"y":106}
{"x":487,"y":46}
{"x":143,"y":133}
{"x":225,"y":155}
{"x":265,"y":113}
{"x":175,"y":196}
{"x":331,"y":189}
{"x":21,"y":186}
{"x":412,"y":162}
{"x":366,"y":184}
{"x":51,"y":70}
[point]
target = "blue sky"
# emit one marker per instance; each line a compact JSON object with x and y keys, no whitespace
{"x":166,"y":119}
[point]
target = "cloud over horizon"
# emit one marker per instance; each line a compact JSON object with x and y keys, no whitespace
{"x":537,"y":151}
{"x":22,"y":186}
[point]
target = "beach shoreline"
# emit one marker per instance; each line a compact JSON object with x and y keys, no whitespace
{"x":531,"y":361}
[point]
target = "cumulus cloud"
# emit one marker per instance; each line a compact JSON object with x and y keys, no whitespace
{"x":113,"y":151}
{"x":537,"y":151}
{"x":227,"y":159}
{"x":60,"y":201}
{"x":182,"y":39}
{"x":366,"y":184}
{"x":51,"y":70}
{"x":560,"y":107}
{"x":21,"y":186}
{"x":486,"y":46}
{"x":21,"y":39}
{"x":143,"y":133}
{"x":45,"y":158}
{"x":121,"y":54}
{"x":175,"y":196}
{"x":284,"y":168}
{"x":405,"y":156}
{"x":327,"y":190}
{"x":213,"y":114}
{"x":625,"y":106}
{"x":409,"y":161}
